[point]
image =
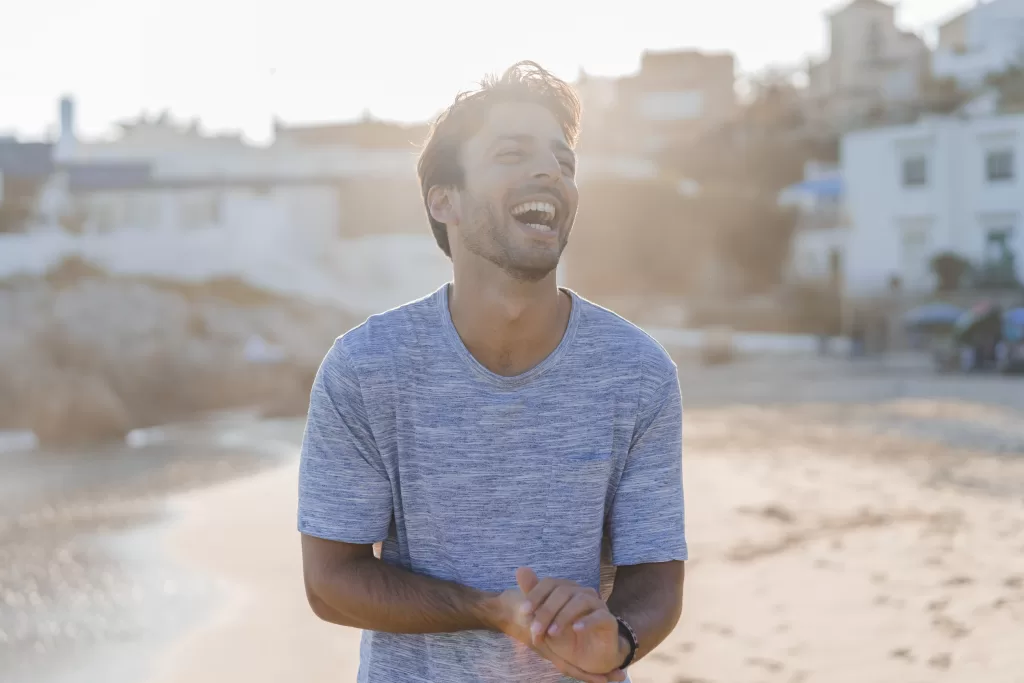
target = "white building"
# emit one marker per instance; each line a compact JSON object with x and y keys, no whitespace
{"x":819,"y":238}
{"x":949,"y":184}
{"x":872,"y":64}
{"x":985,"y":39}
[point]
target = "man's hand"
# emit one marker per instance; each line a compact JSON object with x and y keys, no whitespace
{"x":512,"y":617}
{"x":573,"y":622}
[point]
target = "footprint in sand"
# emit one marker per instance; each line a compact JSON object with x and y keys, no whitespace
{"x":766,"y":664}
{"x":1014,"y":582}
{"x":902,"y":653}
{"x":941,"y":661}
{"x":662,"y":657}
{"x":938,"y":605}
{"x":958,"y":581}
{"x":686,"y":647}
{"x":949,"y":627}
{"x":719,"y":629}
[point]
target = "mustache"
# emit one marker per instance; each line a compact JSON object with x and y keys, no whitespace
{"x":542,"y":191}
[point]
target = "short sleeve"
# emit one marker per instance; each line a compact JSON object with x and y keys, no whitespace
{"x":344,"y":489}
{"x":646,"y":520}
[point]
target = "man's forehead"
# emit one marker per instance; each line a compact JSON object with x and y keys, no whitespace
{"x":521,"y":122}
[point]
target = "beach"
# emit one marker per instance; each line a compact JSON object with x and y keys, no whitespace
{"x":854,"y":524}
{"x":828,"y":543}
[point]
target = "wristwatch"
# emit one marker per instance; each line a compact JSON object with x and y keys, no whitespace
{"x":627,"y":632}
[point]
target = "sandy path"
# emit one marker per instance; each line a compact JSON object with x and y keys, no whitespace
{"x":812,"y":562}
{"x":244,"y":534}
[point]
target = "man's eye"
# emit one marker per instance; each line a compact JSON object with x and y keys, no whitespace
{"x":510,"y":154}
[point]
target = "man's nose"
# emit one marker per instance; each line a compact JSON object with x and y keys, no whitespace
{"x":547,"y":168}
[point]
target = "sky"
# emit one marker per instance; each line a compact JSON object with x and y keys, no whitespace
{"x":236,"y":64}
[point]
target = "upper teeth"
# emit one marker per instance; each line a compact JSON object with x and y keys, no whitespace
{"x":546,"y":208}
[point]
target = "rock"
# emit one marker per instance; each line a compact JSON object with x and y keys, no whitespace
{"x":72,"y":408}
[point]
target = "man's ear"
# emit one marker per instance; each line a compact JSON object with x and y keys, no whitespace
{"x":443,"y":203}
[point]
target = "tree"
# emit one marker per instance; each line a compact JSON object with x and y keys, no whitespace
{"x":949,"y":270}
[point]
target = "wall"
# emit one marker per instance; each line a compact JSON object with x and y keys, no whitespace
{"x":992,"y":39}
{"x":949,"y":213}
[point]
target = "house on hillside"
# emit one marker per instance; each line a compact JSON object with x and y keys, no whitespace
{"x":942,"y":184}
{"x":674,"y":98}
{"x":874,"y":72}
{"x":987,"y":38}
{"x":819,"y":237}
{"x":25,"y":168}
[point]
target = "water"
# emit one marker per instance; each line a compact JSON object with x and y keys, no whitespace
{"x":84,"y":583}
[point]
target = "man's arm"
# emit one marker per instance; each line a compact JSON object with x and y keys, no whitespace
{"x":648,"y":597}
{"x":646,"y":523}
{"x":347,"y":585}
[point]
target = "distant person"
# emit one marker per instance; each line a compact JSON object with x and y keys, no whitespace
{"x":497,"y":435}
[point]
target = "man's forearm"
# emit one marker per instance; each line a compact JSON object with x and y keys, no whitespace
{"x":370,"y":594}
{"x":649,"y":598}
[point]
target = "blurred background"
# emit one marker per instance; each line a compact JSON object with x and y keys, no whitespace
{"x":816,"y":206}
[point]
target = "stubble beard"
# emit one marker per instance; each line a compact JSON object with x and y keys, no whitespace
{"x":488,"y":240}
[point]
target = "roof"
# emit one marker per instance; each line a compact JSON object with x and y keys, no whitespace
{"x":829,"y":187}
{"x":26,"y":159}
{"x":125,"y":178}
{"x":108,"y":176}
{"x":861,"y":3}
{"x":367,"y":134}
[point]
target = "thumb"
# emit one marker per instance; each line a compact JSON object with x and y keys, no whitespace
{"x":527,"y":579}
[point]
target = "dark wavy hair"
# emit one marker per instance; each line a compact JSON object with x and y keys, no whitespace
{"x":523,"y":82}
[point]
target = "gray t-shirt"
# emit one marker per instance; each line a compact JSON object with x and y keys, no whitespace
{"x":570,"y":468}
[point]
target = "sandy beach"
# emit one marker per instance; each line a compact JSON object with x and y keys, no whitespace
{"x":875,"y":541}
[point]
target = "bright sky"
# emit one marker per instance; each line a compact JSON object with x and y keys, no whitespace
{"x":237,"y":63}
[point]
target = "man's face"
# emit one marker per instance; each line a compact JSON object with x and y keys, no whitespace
{"x":519,"y":200}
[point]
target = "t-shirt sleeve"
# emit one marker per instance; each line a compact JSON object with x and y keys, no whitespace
{"x":646,"y":520}
{"x":344,"y":489}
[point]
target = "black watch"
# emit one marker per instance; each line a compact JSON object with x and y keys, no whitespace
{"x":627,"y":632}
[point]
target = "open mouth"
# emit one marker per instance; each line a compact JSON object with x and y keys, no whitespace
{"x":537,"y":215}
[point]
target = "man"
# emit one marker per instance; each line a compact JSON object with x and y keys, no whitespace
{"x":497,"y":436}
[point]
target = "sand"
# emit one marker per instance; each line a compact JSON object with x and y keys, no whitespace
{"x":824,"y":548}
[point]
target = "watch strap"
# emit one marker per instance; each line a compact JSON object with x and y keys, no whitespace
{"x":627,"y":632}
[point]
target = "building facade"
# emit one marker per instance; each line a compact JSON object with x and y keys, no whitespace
{"x":873,"y":70}
{"x":941,"y":185}
{"x":986,"y":39}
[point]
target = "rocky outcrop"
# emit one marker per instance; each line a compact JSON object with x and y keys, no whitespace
{"x":86,"y":357}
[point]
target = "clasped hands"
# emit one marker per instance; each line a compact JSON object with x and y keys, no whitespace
{"x":567,"y":624}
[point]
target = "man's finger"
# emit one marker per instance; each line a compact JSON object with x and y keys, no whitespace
{"x":536,"y":596}
{"x":527,"y":579}
{"x":582,"y":604}
{"x":545,"y":614}
{"x":590,"y":620}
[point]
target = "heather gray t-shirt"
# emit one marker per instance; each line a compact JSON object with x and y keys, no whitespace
{"x":570,"y":468}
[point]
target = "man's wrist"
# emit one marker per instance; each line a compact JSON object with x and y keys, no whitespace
{"x":490,"y":610}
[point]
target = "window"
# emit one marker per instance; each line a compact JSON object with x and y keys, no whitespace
{"x":915,"y":252}
{"x":999,"y":165}
{"x":875,"y":40}
{"x":915,"y":171}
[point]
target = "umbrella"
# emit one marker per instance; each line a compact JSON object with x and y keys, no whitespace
{"x":933,"y":315}
{"x":1014,"y":316}
{"x":982,"y":318}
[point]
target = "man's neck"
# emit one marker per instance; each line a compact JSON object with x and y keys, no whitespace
{"x":509,"y":326}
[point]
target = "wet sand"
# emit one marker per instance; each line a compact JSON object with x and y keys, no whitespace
{"x":880,"y":540}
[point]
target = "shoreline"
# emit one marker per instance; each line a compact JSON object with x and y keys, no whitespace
{"x":261,"y":630}
{"x":786,"y":534}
